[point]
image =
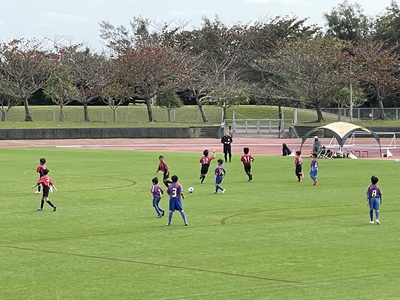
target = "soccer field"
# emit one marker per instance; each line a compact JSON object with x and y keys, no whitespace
{"x":272,"y":238}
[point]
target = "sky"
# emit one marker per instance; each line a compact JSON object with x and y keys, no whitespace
{"x":78,"y":20}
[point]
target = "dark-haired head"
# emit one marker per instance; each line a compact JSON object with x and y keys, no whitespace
{"x":374,"y":180}
{"x":174,"y":178}
{"x":246,"y":150}
{"x":220,"y":161}
{"x":298,"y":152}
{"x":155,"y":180}
{"x":42,"y":161}
{"x":46,"y":171}
{"x":205,"y":152}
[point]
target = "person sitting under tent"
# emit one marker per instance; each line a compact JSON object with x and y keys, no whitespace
{"x":323,"y":152}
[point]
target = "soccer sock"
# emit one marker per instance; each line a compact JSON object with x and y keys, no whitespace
{"x":377,"y":214}
{"x":226,"y":157}
{"x":157,"y":210}
{"x":49,"y":203}
{"x":38,"y":188}
{"x":170,"y":217}
{"x":371,"y":215}
{"x":216,"y":188}
{"x":41,"y":204}
{"x":202,"y":178}
{"x":221,"y":188}
{"x":183,"y":216}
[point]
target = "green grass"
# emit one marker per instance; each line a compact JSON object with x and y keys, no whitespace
{"x":128,"y":116}
{"x":272,"y":238}
{"x":136,"y":115}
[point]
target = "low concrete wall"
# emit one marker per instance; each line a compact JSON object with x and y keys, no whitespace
{"x":94,"y":133}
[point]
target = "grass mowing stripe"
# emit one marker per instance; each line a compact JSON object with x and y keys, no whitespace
{"x":151,"y":264}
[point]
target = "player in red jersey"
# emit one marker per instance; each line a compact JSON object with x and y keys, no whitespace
{"x":39,"y":170}
{"x":46,"y":183}
{"x":247,"y":159}
{"x":163,"y":167}
{"x":298,"y":166}
{"x":205,"y":161}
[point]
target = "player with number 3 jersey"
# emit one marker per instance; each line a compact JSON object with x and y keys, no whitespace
{"x":175,"y":192}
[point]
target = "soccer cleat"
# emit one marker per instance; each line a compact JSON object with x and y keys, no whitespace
{"x":168,"y":224}
{"x":162,"y":213}
{"x":223,"y":191}
{"x":54,"y":208}
{"x":371,"y":222}
{"x":37,"y":192}
{"x":40,"y":209}
{"x":315,"y":182}
{"x":186,"y":224}
{"x":378,"y":222}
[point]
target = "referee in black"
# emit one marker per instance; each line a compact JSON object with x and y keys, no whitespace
{"x":227,"y":141}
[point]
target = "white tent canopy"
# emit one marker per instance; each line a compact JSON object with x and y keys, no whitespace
{"x":341,"y":131}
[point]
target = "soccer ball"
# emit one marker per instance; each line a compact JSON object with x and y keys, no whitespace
{"x":396,"y":160}
{"x":191,"y":190}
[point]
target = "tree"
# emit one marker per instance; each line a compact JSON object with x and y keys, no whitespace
{"x":377,"y":69}
{"x":348,"y":22}
{"x":150,"y":66}
{"x":88,"y":71}
{"x":6,"y":103}
{"x":61,"y":90}
{"x":214,"y":47}
{"x":308,"y":69}
{"x":386,"y":28}
{"x":169,"y":100}
{"x":152,"y":70}
{"x":259,"y":42}
{"x":343,"y":96}
{"x":25,"y":67}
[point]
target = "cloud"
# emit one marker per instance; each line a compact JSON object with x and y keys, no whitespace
{"x":53,"y":16}
{"x":278,"y":2}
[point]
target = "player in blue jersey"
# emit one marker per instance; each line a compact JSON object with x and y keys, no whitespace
{"x":219,"y":172}
{"x":314,"y":168}
{"x":175,"y":192}
{"x":374,"y":200}
{"x":157,"y":193}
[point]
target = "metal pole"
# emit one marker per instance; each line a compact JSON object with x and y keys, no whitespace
{"x":351,"y":93}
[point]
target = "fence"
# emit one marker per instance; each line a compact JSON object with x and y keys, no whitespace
{"x":259,"y":126}
{"x":365,"y":113}
{"x":125,"y":114}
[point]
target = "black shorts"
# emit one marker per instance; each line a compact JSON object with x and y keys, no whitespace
{"x":166,"y":175}
{"x":46,"y":191}
{"x":298,"y":169}
{"x":247,"y":168}
{"x":204,"y":169}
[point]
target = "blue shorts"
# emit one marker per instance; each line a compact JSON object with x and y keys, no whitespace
{"x":374,"y":203}
{"x":218,"y":179}
{"x":175,"y":204}
{"x":156,"y":200}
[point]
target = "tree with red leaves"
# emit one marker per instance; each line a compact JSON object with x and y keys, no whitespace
{"x":377,"y":67}
{"x":150,"y":70}
{"x":25,"y":67}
